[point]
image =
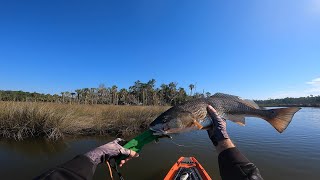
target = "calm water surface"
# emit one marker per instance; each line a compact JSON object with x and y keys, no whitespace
{"x":294,"y":154}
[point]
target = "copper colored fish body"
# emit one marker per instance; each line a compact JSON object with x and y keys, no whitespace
{"x":193,"y":114}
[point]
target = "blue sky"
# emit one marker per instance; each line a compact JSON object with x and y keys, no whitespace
{"x":254,"y":49}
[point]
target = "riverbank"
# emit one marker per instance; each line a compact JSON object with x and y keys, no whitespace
{"x":20,"y":120}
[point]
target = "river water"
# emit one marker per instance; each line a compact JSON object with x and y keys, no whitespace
{"x":293,"y":154}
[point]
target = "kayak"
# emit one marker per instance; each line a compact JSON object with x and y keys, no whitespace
{"x":187,"y":168}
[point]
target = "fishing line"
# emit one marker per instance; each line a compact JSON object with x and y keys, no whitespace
{"x":180,"y":145}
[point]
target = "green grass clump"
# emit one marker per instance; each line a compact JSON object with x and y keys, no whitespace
{"x":20,"y":120}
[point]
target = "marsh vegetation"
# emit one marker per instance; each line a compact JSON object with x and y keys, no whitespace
{"x":20,"y":120}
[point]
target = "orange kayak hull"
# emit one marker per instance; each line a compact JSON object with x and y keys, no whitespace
{"x":187,"y":167}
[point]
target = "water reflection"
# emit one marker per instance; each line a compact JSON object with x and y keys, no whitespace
{"x":34,"y":147}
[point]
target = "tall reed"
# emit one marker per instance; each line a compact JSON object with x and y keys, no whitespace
{"x":20,"y":120}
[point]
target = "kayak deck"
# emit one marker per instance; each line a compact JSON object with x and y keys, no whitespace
{"x":187,"y":168}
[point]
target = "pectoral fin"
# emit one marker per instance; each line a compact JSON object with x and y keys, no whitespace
{"x":239,"y":119}
{"x":199,"y":126}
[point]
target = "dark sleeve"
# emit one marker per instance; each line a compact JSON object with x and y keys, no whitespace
{"x":78,"y":168}
{"x":233,"y":166}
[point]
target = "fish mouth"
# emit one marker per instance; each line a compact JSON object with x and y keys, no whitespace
{"x":167,"y":132}
{"x":158,"y":132}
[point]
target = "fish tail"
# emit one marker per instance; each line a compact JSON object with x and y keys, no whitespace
{"x":281,"y":118}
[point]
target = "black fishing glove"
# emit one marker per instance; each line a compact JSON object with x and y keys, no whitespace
{"x":218,"y":131}
{"x":107,"y":151}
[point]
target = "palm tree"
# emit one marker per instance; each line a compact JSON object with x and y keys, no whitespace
{"x":102,"y":93}
{"x":56,"y":97}
{"x":149,"y":88}
{"x":79,"y":92}
{"x":67,"y":95}
{"x":62,"y":94}
{"x":123,"y":93}
{"x":163,"y":92}
{"x":172,"y":93}
{"x":135,"y":90}
{"x":114,"y":90}
{"x":191,"y":87}
{"x":93,"y":94}
{"x":182,"y":96}
{"x":72,"y":96}
{"x":85,"y":92}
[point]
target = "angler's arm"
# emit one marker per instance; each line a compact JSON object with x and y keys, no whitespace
{"x":233,"y":164}
{"x":223,"y":145}
{"x":84,"y":166}
{"x":80,"y":167}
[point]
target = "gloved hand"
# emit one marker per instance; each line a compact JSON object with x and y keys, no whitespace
{"x":218,"y":131}
{"x":110,"y":150}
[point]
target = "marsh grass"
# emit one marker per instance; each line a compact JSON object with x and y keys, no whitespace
{"x":20,"y":120}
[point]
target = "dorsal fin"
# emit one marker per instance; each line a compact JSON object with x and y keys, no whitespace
{"x":247,"y":102}
{"x":251,"y":103}
{"x":222,"y":95}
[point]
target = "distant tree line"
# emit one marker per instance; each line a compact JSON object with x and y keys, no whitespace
{"x":139,"y":93}
{"x":27,"y":96}
{"x":309,"y":101}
